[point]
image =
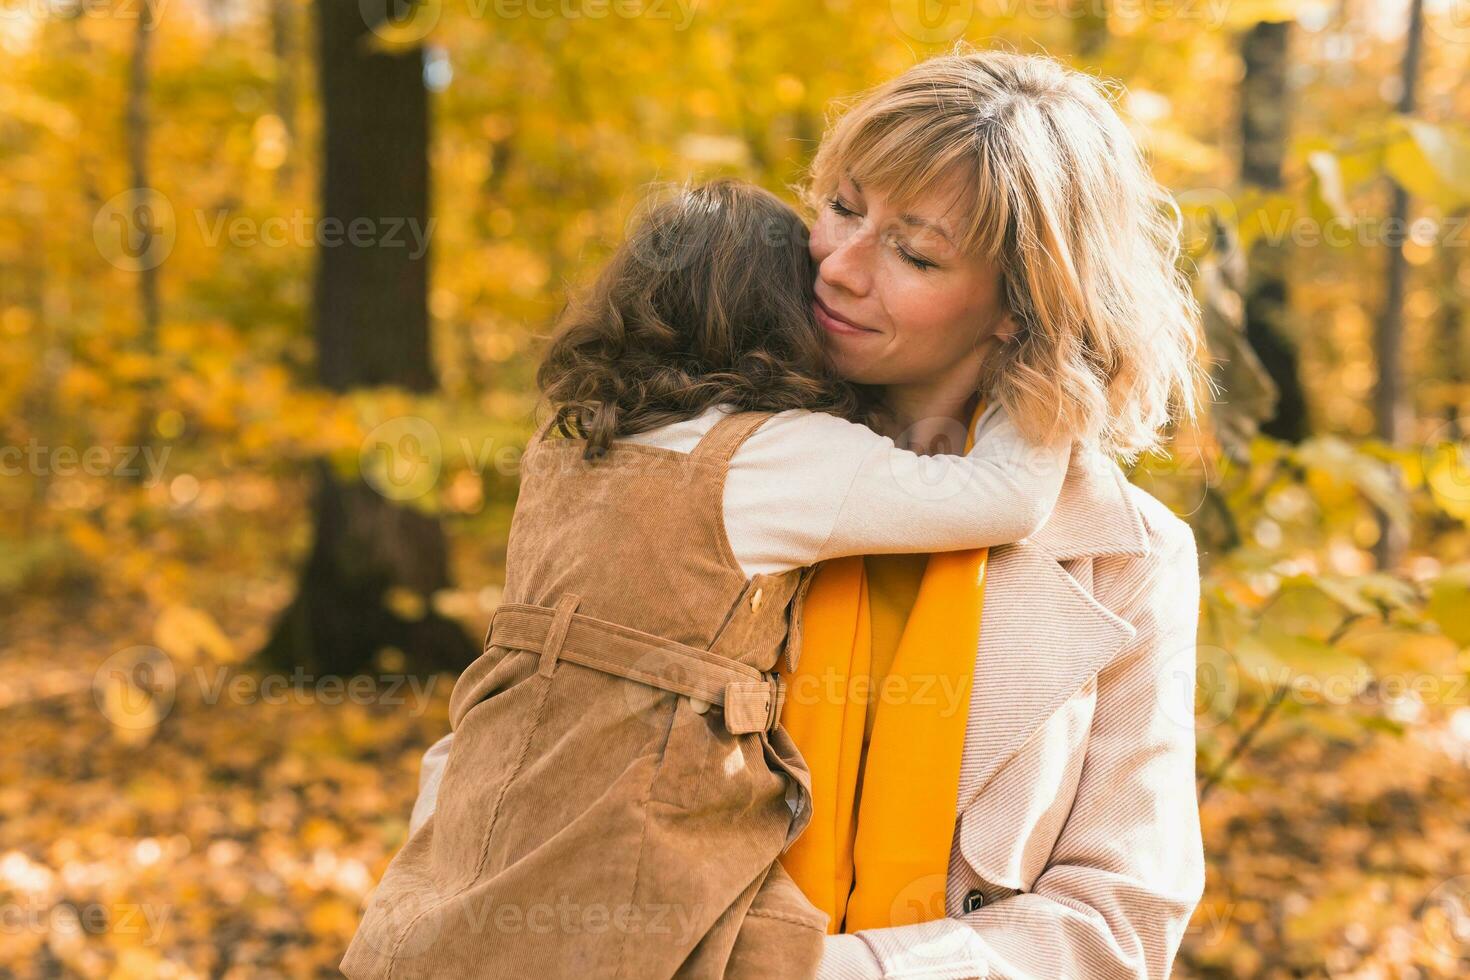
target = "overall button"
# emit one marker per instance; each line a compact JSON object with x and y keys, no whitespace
{"x":755,"y":600}
{"x":973,"y":900}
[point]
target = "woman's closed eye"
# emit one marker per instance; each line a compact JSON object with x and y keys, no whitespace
{"x":842,"y":210}
{"x":923,"y":265}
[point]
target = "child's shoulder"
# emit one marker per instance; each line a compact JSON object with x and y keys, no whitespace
{"x":681,"y":436}
{"x":784,"y":427}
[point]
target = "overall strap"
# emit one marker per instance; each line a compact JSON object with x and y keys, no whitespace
{"x":750,"y":699}
{"x":720,"y":442}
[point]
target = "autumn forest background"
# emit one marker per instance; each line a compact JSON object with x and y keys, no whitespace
{"x":273,"y":277}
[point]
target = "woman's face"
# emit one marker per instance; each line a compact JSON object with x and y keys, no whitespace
{"x":898,"y":303}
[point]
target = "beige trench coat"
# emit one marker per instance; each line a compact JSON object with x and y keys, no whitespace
{"x":1078,"y":851}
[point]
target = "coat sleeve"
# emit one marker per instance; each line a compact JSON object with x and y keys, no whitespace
{"x":1127,"y":870}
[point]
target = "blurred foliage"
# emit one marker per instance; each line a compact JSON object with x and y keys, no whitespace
{"x":153,"y":492}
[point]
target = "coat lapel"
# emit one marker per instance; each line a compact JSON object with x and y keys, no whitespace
{"x":1042,"y":633}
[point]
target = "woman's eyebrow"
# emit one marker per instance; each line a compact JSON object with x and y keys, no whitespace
{"x":912,"y":220}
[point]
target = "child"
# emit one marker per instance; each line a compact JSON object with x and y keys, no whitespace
{"x":618,"y":788}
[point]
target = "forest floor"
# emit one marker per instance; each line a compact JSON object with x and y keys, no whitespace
{"x":233,"y":827}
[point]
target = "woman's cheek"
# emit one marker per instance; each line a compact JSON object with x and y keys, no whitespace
{"x":909,"y":307}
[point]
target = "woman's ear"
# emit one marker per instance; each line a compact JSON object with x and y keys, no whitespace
{"x":1006,"y":329}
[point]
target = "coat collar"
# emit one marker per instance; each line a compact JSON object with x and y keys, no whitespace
{"x":1043,"y":633}
{"x":1095,"y":514}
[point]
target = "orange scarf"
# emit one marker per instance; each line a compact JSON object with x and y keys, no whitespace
{"x":884,"y":861}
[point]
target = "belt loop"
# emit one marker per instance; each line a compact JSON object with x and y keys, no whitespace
{"x":490,"y":631}
{"x":777,"y":702}
{"x":556,"y":636}
{"x":754,"y":706}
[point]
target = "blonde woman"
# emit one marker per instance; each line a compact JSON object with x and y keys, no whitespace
{"x":1001,"y":741}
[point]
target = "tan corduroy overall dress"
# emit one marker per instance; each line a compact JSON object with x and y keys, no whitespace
{"x":593,"y":822}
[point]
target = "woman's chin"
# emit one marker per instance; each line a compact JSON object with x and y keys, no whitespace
{"x":858,"y":370}
{"x":855,"y":357}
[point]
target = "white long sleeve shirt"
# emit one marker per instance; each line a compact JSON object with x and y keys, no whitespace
{"x":807,"y":486}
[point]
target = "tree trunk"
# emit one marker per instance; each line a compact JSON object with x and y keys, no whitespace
{"x":283,"y":42}
{"x":1265,"y":115}
{"x":1452,"y":351}
{"x":371,"y":321}
{"x":1390,"y":407}
{"x":137,"y":129}
{"x":143,"y":220}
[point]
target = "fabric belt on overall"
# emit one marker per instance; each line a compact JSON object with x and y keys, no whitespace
{"x":751,"y":699}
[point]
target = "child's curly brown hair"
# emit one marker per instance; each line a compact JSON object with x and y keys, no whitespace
{"x":708,"y":301}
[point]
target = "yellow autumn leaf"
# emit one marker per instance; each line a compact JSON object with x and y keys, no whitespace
{"x":185,"y":633}
{"x":406,"y":603}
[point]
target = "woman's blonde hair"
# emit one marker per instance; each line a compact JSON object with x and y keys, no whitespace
{"x":1060,"y":198}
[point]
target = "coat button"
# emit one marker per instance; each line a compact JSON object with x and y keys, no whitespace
{"x":755,"y":600}
{"x":973,"y":900}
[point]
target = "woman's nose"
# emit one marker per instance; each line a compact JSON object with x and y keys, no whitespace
{"x":846,"y":266}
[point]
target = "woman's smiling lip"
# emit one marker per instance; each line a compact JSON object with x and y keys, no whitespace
{"x":834,"y":323}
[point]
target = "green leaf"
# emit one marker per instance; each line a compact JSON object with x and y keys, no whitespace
{"x":1302,"y":607}
{"x":1328,"y":199}
{"x":1373,"y":478}
{"x":1432,"y":162}
{"x":1348,"y":593}
{"x":1446,"y":476}
{"x":1317,"y":661}
{"x":1449,"y":604}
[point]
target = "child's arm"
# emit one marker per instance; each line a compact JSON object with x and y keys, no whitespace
{"x":808,"y":486}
